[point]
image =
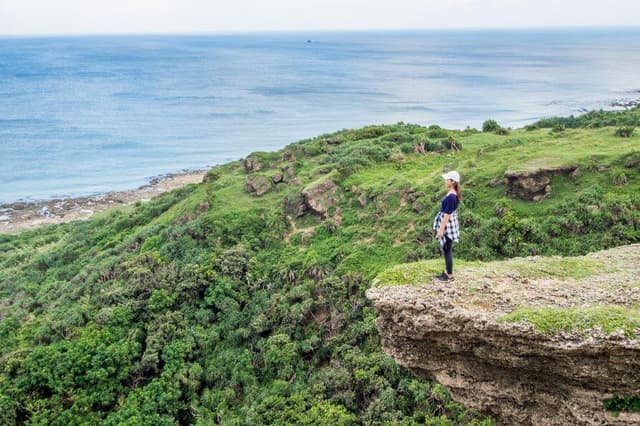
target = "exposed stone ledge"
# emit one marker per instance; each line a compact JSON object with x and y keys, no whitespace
{"x":455,"y":333}
{"x":533,"y":185}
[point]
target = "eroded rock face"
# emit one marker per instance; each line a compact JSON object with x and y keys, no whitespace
{"x":288,"y":170}
{"x":295,"y":205}
{"x":451,"y":333}
{"x":252,"y":164}
{"x":533,"y":185}
{"x":257,"y":185}
{"x":277,"y":178}
{"x":319,"y":197}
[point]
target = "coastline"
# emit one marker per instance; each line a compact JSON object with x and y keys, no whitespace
{"x":23,"y":215}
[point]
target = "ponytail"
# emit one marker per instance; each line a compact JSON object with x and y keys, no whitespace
{"x":458,"y":189}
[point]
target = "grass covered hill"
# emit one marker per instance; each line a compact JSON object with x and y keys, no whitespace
{"x":241,"y":300}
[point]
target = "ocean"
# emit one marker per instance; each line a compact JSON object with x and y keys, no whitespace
{"x":84,"y":115}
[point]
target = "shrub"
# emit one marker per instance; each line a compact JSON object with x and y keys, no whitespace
{"x":494,"y":127}
{"x":433,"y":147}
{"x":406,"y":148}
{"x":451,"y":144}
{"x":592,"y":120}
{"x":397,"y":137}
{"x":591,"y":196}
{"x":8,"y":409}
{"x":502,"y":206}
{"x":490,"y":126}
{"x":369,"y":132}
{"x":627,"y":403}
{"x":376,"y":152}
{"x":233,"y":262}
{"x":619,"y":177}
{"x":631,"y":160}
{"x":558,"y":128}
{"x":437,"y":132}
{"x":469,"y":131}
{"x":591,"y":166}
{"x":624,"y":132}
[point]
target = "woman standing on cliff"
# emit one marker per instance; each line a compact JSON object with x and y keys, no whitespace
{"x":445,"y":223}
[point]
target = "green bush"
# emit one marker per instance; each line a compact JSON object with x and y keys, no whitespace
{"x":619,"y":177}
{"x":618,"y":403}
{"x":436,"y":132}
{"x":591,"y":196}
{"x":592,"y":119}
{"x":624,"y":132}
{"x":450,"y":144}
{"x":490,"y":126}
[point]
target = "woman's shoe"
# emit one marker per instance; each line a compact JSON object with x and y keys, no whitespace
{"x":444,"y":277}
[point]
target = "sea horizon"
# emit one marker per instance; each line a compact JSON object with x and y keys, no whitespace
{"x":324,"y":30}
{"x":87,"y":114}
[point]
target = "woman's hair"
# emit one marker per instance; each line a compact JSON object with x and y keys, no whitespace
{"x":458,"y":188}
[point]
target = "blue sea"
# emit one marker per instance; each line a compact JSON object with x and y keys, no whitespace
{"x":84,"y":115}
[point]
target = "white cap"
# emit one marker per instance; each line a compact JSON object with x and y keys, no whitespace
{"x":453,"y":175}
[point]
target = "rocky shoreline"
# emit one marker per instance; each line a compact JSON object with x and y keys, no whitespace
{"x":22,"y":215}
{"x":626,"y":103}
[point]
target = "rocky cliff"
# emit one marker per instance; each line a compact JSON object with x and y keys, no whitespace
{"x":527,"y":341}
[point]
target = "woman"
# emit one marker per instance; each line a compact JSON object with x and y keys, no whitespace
{"x":445,"y":223}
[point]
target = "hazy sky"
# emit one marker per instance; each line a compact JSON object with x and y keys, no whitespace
{"x":136,"y":16}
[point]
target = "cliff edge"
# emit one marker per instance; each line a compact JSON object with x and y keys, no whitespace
{"x":536,"y":340}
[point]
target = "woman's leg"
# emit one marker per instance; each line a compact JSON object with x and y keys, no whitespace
{"x":447,"y":251}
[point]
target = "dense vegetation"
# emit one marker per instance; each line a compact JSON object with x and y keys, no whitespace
{"x":627,"y":403}
{"x":213,"y":305}
{"x":628,"y":118}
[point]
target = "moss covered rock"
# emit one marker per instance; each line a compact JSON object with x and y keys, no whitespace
{"x":257,"y":185}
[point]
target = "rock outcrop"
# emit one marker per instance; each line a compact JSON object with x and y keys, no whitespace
{"x":252,"y":164}
{"x":294,"y":205}
{"x":257,"y":185}
{"x":277,"y":178}
{"x":533,"y":185}
{"x":320,"y":196}
{"x":460,"y":335}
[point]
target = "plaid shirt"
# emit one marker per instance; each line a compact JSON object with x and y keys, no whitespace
{"x":451,"y":229}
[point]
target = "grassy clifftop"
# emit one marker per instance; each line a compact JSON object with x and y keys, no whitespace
{"x":598,"y":292}
{"x":241,"y":300}
{"x":531,"y":340}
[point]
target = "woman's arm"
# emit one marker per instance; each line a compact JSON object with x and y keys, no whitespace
{"x":443,"y":225}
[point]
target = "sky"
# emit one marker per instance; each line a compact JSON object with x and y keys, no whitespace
{"x":31,"y":17}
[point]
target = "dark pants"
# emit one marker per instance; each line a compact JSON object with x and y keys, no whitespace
{"x":447,"y":252}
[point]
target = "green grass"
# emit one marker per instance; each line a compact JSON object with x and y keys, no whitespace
{"x":422,"y":272}
{"x":551,"y":321}
{"x":416,"y":273}
{"x":549,"y":267}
